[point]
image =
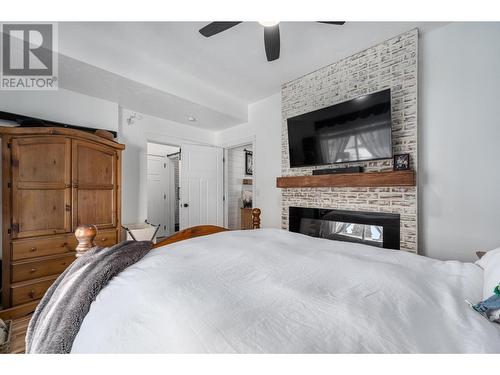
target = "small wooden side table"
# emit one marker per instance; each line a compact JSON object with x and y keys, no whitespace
{"x":246,"y":218}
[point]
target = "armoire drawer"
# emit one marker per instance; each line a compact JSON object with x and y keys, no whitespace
{"x":106,"y":238}
{"x":39,"y":247}
{"x":28,"y":291}
{"x":29,"y":270}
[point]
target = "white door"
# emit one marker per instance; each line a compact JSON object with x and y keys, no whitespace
{"x":157,"y":193}
{"x":201,"y":186}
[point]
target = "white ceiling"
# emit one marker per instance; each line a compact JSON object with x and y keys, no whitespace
{"x":87,"y":79}
{"x":223,"y":73}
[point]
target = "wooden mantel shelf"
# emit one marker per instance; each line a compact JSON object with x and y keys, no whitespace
{"x":367,"y":179}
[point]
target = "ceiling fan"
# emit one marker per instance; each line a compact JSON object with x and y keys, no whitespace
{"x":271,"y":34}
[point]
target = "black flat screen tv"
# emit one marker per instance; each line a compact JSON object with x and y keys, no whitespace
{"x":355,"y":130}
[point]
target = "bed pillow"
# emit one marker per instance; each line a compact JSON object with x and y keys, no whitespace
{"x":490,"y":263}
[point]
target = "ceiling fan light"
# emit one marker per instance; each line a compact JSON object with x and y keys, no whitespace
{"x":268,"y":23}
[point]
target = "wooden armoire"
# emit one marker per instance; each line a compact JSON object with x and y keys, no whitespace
{"x":53,"y":180}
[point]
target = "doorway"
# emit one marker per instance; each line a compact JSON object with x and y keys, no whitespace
{"x":239,"y":172}
{"x":184,"y":186}
{"x":163,"y":187}
{"x":201,"y":186}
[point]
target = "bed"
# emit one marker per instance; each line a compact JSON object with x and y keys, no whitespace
{"x":274,"y":291}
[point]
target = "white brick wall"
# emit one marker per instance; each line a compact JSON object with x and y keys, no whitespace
{"x":391,"y":64}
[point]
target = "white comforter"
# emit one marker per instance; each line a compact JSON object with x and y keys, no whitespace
{"x":272,"y":291}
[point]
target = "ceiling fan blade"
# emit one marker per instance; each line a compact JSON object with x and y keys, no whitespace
{"x":217,"y":27}
{"x":333,"y":22}
{"x":272,"y":42}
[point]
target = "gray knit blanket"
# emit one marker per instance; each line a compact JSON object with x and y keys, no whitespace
{"x":60,"y":313}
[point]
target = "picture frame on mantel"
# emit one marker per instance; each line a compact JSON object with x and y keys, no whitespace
{"x":401,"y":162}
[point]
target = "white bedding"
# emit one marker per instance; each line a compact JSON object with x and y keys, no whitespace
{"x":272,"y":291}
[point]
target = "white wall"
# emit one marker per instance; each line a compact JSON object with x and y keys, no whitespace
{"x":136,"y":136}
{"x":158,"y":149}
{"x":459,"y":140}
{"x":62,"y":106}
{"x":264,"y":125}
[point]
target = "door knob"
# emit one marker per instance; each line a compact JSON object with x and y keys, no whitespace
{"x":185,"y":205}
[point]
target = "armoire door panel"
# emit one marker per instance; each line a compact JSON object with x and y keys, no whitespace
{"x":42,"y":212}
{"x":42,"y":159}
{"x":96,"y":165}
{"x":41,"y":195}
{"x":96,"y":207}
{"x":94,"y":175}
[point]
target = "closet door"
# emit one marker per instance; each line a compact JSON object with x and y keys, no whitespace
{"x":201,"y":186}
{"x":94,"y":184}
{"x":41,"y":190}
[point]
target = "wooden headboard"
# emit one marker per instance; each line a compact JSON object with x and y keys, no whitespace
{"x":85,"y":234}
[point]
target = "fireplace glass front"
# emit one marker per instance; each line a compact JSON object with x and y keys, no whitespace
{"x":370,"y":228}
